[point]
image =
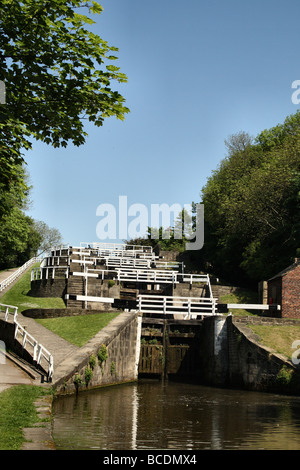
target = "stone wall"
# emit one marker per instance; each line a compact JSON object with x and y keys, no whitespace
{"x":214,"y":351}
{"x":48,"y":288}
{"x":57,"y":312}
{"x":120,"y":340}
{"x":263,"y":292}
{"x":106,"y":288}
{"x":256,"y":367}
{"x":186,"y":290}
{"x":219,"y":290}
{"x":233,"y":357}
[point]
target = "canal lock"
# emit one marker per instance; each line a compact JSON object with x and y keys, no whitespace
{"x":170,"y":349}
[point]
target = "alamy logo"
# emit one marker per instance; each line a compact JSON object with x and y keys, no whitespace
{"x":295,"y":94}
{"x":296,"y":354}
{"x":134,"y":221}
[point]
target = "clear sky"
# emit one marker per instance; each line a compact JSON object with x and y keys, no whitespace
{"x":198,"y":71}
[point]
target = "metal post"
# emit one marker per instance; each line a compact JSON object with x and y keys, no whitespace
{"x":165,"y":305}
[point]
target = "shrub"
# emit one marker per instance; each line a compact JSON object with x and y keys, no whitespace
{"x":88,"y":374}
{"x":102,"y":354}
{"x":92,"y":362}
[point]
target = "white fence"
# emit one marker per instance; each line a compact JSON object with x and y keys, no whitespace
{"x":4,"y":284}
{"x":116,"y":246}
{"x":48,"y":272}
{"x":38,"y":351}
{"x":180,"y":307}
{"x":155,"y":276}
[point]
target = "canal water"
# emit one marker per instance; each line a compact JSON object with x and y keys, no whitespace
{"x":166,"y":415}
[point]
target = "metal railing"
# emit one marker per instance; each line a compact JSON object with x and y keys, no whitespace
{"x":122,"y":275}
{"x":188,"y":307}
{"x":39,"y":352}
{"x":116,"y":246}
{"x":48,"y":272}
{"x":147,"y":276}
{"x":4,"y":284}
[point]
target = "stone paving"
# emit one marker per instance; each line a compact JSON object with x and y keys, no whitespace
{"x":13,"y":372}
{"x":6,"y":273}
{"x":57,"y":346}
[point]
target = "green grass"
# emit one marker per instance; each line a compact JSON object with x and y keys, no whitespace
{"x":79,"y":329}
{"x":18,"y":296}
{"x":17,"y":411}
{"x":241,"y":296}
{"x":278,"y":337}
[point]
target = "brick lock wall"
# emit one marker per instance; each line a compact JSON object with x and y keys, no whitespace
{"x":291,"y":293}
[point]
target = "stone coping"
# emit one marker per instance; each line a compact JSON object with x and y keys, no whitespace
{"x":66,"y":369}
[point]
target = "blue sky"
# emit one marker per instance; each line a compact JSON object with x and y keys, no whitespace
{"x":198,"y":71}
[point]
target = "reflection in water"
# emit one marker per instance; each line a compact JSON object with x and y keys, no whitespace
{"x":157,"y":415}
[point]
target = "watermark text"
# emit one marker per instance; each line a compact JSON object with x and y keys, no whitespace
{"x":134,"y":221}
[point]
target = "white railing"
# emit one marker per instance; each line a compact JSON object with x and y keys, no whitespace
{"x":103,"y":253}
{"x":59,"y":249}
{"x":57,"y":260}
{"x":125,"y":254}
{"x":169,"y":265}
{"x":39,"y":352}
{"x":140,"y":263}
{"x":136,"y":275}
{"x":4,"y":284}
{"x":116,"y":246}
{"x":188,"y":307}
{"x":150,"y":275}
{"x":122,"y":274}
{"x":191,"y":278}
{"x":48,"y":272}
{"x":9,"y":310}
{"x":125,"y":262}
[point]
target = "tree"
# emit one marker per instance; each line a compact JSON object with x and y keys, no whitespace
{"x":48,"y":236}
{"x":252,"y":207}
{"x":18,"y":239}
{"x":57,"y":73}
{"x":20,"y":236}
{"x":238,"y":142}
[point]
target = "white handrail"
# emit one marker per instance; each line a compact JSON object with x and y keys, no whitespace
{"x":190,"y":307}
{"x":39,"y":351}
{"x":116,"y":246}
{"x":123,"y":274}
{"x":18,"y":272}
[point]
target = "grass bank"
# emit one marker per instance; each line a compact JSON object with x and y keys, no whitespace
{"x":18,"y":296}
{"x":241,"y":296}
{"x":17,"y":412}
{"x":278,"y":337}
{"x":79,"y":329}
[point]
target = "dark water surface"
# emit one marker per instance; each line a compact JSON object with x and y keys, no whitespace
{"x":156,"y":415}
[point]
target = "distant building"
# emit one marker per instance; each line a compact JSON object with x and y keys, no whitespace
{"x":284,"y":290}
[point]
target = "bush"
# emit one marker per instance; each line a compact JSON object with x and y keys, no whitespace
{"x":102,"y":354}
